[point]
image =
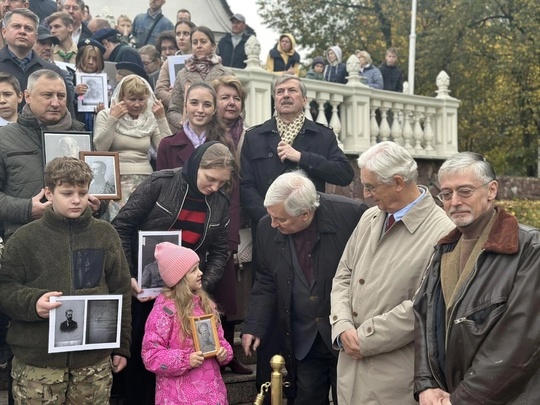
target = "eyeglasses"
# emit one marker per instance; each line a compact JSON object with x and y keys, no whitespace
{"x":370,"y":189}
{"x":149,"y":63}
{"x":74,"y":8}
{"x":462,"y":192}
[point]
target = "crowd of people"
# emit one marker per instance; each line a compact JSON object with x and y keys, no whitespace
{"x":357,"y":300}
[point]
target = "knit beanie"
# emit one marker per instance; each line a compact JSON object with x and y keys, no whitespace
{"x":174,"y":262}
{"x":317,"y":60}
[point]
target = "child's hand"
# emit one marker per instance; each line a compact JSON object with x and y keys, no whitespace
{"x":221,"y":355}
{"x":118,"y":363}
{"x":44,"y":305}
{"x":196,"y":359}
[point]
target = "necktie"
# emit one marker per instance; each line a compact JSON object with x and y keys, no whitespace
{"x":389,"y":222}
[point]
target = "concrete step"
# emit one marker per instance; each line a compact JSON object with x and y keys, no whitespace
{"x":240,"y":388}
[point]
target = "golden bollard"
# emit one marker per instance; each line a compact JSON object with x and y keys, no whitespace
{"x":277,"y":362}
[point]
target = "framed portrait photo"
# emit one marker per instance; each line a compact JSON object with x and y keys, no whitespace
{"x":148,"y":278}
{"x":106,"y":170}
{"x":96,"y":92}
{"x":85,"y":322}
{"x":176,"y":64}
{"x":205,"y":336}
{"x":59,"y":144}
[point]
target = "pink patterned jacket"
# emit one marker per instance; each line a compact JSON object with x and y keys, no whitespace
{"x":167,"y":357}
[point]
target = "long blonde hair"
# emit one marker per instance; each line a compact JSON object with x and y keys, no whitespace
{"x":182,"y":296}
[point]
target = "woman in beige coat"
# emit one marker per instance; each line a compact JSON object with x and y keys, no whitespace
{"x":203,"y":66}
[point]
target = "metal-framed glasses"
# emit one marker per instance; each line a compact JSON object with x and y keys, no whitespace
{"x":462,"y":192}
{"x":370,"y":189}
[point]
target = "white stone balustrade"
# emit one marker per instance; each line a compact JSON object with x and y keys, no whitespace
{"x":362,"y":116}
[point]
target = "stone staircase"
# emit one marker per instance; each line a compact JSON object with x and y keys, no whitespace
{"x":241,"y":389}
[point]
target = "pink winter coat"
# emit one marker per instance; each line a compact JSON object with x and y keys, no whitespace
{"x":167,"y":357}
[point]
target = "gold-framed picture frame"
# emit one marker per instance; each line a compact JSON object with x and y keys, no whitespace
{"x":205,"y":335}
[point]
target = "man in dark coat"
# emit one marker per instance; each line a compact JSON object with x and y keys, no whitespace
{"x":69,"y":324}
{"x":231,"y":46}
{"x":300,"y":243}
{"x":17,"y":57}
{"x":282,"y":144}
{"x":21,"y":150}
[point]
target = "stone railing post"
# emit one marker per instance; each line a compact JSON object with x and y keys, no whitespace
{"x":445,"y":119}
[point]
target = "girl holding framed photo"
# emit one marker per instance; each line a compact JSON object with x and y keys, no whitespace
{"x":184,"y":353}
{"x":190,"y":199}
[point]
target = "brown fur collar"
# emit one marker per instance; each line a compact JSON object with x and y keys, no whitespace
{"x":503,"y":238}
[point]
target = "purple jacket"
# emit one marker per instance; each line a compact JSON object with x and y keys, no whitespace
{"x":165,"y":355}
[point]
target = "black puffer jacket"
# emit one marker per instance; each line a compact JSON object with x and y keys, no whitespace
{"x":21,"y":170}
{"x":155,"y":205}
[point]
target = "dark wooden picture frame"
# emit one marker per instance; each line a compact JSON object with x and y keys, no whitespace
{"x":205,"y":335}
{"x":106,"y":165}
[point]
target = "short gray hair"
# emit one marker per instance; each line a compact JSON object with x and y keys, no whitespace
{"x":388,"y":159}
{"x":48,"y":74}
{"x":463,"y":161}
{"x":25,"y":12}
{"x":285,"y":78}
{"x":296,"y":191}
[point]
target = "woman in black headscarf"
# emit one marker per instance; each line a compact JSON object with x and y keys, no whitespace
{"x":191,"y":199}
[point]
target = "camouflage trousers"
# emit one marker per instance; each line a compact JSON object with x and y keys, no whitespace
{"x":57,"y":386}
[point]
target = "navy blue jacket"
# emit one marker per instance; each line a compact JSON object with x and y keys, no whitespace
{"x":8,"y":65}
{"x":233,"y":56}
{"x":322,"y":160}
{"x":336,"y":74}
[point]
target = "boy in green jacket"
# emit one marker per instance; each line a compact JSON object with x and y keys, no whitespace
{"x":66,"y":252}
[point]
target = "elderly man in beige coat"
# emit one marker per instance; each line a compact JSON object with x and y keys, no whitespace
{"x":380,"y":271}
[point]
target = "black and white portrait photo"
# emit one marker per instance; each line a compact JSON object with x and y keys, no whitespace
{"x":149,"y":279}
{"x":70,"y":144}
{"x":85,"y":322}
{"x":176,"y":64}
{"x":96,"y":91}
{"x":204,"y":330}
{"x":106,"y":174}
{"x":205,"y":334}
{"x":68,"y":323}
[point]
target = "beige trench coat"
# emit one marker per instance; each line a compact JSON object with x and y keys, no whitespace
{"x":372,"y":292}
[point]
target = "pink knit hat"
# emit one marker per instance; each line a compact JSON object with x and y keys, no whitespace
{"x":174,"y":262}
